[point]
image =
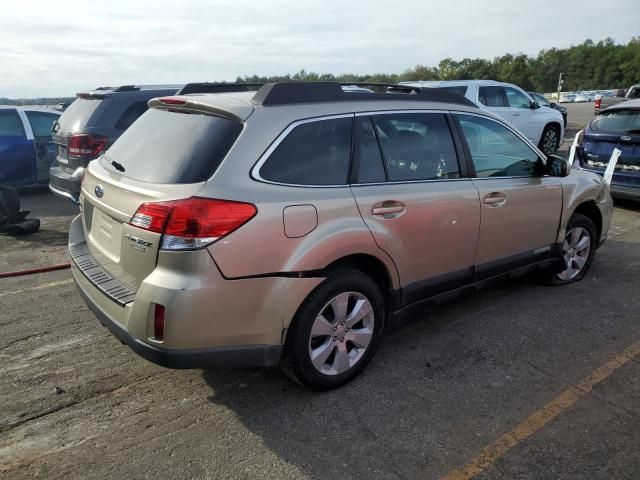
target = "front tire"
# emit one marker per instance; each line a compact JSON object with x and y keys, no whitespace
{"x":550,"y":140}
{"x":336,"y":330}
{"x":578,"y":250}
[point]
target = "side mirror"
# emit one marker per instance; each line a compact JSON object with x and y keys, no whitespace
{"x":553,"y":104}
{"x":535,"y":105}
{"x":557,"y":166}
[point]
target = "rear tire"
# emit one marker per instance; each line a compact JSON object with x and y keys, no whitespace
{"x":549,"y":140}
{"x":336,"y":331}
{"x":578,"y":250}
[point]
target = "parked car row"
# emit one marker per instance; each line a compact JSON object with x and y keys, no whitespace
{"x":543,"y":125}
{"x":583,"y":96}
{"x":26,"y":151}
{"x":617,"y":126}
{"x":603,"y":102}
{"x":288,"y":224}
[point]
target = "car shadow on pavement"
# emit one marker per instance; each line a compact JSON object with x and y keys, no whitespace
{"x":444,"y":383}
{"x":390,"y":421}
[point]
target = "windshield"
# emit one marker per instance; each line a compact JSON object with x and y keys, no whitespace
{"x":617,"y":121}
{"x":540,"y":99}
{"x":172,"y":147}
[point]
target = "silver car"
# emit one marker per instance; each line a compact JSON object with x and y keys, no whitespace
{"x":289,"y":225}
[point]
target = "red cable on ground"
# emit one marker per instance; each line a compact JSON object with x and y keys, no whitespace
{"x":62,"y":266}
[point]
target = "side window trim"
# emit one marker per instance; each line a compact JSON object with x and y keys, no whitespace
{"x":472,"y":172}
{"x":354,"y":164}
{"x":255,"y":171}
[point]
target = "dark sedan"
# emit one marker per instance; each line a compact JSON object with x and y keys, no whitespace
{"x":615,"y":127}
{"x":543,"y":102}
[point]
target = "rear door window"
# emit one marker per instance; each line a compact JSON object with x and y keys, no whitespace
{"x":173,"y":147}
{"x":417,"y":146}
{"x":313,"y":153}
{"x":492,"y":96}
{"x":41,"y":123}
{"x":10,"y":123}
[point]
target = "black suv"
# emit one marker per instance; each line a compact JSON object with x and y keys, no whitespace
{"x":90,"y":125}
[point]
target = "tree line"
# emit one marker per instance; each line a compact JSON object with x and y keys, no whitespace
{"x":588,"y":66}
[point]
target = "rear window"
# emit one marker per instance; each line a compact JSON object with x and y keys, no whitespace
{"x":617,"y":121}
{"x":460,"y":90}
{"x":491,"y":96}
{"x":173,"y":147}
{"x":78,"y":114}
{"x":10,"y":124}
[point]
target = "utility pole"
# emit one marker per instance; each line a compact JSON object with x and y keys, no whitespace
{"x":560,"y":82}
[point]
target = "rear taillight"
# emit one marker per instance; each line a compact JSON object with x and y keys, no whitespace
{"x":598,"y":102}
{"x":158,"y":322}
{"x":193,"y":222}
{"x":86,"y":145}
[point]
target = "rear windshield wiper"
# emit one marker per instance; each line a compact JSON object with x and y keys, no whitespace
{"x":117,"y":166}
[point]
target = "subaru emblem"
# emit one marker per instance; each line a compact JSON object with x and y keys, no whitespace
{"x":625,"y":138}
{"x":99,"y":191}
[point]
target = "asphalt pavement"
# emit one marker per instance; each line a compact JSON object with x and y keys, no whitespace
{"x":517,"y":381}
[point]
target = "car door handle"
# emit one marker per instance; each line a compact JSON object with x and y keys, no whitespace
{"x":516,"y":114}
{"x":388,"y":207}
{"x":495,"y":199}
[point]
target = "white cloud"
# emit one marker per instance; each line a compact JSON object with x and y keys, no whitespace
{"x":57,"y":48}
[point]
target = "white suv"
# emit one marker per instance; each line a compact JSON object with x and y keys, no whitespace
{"x":542,"y":125}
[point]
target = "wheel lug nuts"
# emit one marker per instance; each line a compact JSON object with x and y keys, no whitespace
{"x":335,"y":338}
{"x":342,"y":339}
{"x":335,"y":328}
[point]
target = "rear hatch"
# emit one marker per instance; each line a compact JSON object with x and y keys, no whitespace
{"x":164,"y":156}
{"x":618,"y":128}
{"x":74,"y":142}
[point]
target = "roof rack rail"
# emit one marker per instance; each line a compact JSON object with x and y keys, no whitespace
{"x":206,"y":87}
{"x":287,"y":93}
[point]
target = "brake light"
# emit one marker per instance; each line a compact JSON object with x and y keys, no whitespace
{"x":86,"y":145}
{"x":193,"y":222}
{"x":158,"y":322}
{"x":598,"y":102}
{"x":172,"y":101}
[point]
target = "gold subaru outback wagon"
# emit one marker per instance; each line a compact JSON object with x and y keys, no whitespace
{"x":287,"y":224}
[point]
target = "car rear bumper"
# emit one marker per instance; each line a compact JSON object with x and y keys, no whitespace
{"x":64,"y":184}
{"x":210,"y":321}
{"x":236,"y":356}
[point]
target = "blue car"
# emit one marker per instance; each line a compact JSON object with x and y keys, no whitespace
{"x":615,"y":127}
{"x":26,"y":149}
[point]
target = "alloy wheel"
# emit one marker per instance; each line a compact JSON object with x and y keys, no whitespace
{"x":341,"y":333}
{"x":575,"y":250}
{"x":550,"y":141}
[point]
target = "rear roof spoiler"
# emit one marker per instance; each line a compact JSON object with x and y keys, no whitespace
{"x":207,"y":87}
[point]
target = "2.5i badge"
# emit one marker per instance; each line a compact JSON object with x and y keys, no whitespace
{"x":138,"y":243}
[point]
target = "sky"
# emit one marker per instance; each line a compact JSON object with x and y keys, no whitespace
{"x":56,"y":48}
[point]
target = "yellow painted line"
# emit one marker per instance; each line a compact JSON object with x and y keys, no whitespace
{"x":39,"y":287}
{"x":490,"y":454}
